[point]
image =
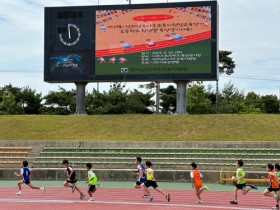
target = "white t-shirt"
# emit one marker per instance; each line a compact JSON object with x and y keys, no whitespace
{"x":91,"y":173}
{"x":192,"y":174}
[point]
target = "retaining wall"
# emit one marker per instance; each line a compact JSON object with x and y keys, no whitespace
{"x":125,"y":175}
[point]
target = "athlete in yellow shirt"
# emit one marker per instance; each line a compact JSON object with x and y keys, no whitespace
{"x":151,"y":182}
{"x":92,"y":180}
{"x":241,"y":183}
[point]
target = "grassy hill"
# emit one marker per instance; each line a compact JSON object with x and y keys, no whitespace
{"x":141,"y":127}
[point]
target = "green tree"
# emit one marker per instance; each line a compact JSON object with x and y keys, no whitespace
{"x":116,"y":99}
{"x":226,"y":63}
{"x":231,"y":100}
{"x":253,"y":103}
{"x":9,"y":105}
{"x":168,"y":99}
{"x":198,"y":101}
{"x":95,"y":102}
{"x":30,"y":100}
{"x":139,"y":103}
{"x":270,"y":104}
{"x":26,"y":98}
{"x":119,"y":101}
{"x":60,"y":102}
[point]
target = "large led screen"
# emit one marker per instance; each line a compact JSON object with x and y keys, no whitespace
{"x":153,"y":41}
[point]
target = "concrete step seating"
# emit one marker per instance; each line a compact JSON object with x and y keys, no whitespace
{"x":11,"y":156}
{"x":161,"y":157}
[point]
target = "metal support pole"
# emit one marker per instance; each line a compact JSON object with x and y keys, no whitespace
{"x":157,"y":96}
{"x":181,"y":97}
{"x":217,"y":96}
{"x":80,"y":98}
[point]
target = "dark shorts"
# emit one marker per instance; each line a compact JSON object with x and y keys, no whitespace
{"x":270,"y":189}
{"x":91,"y":187}
{"x":139,"y":182}
{"x":240,"y":186}
{"x":27,"y":182}
{"x":71,"y":181}
{"x":151,"y":184}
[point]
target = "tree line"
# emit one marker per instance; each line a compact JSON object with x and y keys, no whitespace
{"x":119,"y":100}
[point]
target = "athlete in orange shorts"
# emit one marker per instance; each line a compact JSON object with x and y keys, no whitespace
{"x":196,"y":177}
{"x":273,"y":185}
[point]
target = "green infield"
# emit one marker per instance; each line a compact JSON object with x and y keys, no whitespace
{"x":191,"y":58}
{"x":141,"y":127}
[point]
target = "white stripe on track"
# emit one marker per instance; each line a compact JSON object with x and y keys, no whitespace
{"x":124,"y":203}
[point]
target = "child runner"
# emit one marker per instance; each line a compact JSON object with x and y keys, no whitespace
{"x":241,"y":183}
{"x":196,"y":177}
{"x":71,"y":179}
{"x":277,"y":170}
{"x":151,"y":182}
{"x":26,"y":174}
{"x":141,"y":174}
{"x":273,"y":185}
{"x":92,"y":180}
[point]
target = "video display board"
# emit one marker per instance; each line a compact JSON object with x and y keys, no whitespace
{"x":151,"y":42}
{"x":174,"y":40}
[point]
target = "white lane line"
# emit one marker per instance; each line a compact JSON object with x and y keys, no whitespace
{"x":124,"y":203}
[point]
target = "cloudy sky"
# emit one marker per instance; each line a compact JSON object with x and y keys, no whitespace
{"x":249,"y":28}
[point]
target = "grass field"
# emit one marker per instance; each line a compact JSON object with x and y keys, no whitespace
{"x":141,"y":127}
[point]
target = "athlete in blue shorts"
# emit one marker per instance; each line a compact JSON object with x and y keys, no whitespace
{"x":26,"y":175}
{"x":140,"y":173}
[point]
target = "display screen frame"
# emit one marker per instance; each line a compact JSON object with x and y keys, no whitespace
{"x":93,"y":76}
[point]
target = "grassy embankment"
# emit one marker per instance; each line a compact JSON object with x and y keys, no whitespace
{"x":142,"y":127}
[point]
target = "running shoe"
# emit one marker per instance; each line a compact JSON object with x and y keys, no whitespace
{"x":253,"y":187}
{"x":151,"y":199}
{"x":145,"y":196}
{"x":233,"y":202}
{"x":200,"y":202}
{"x":91,"y":199}
{"x":43,"y":189}
{"x":18,"y":193}
{"x":274,"y":208}
{"x":206,"y":187}
{"x":82,"y":196}
{"x":167,"y":197}
{"x":73,"y":188}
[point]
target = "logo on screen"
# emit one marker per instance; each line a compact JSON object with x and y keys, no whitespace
{"x":66,"y":64}
{"x":124,"y":70}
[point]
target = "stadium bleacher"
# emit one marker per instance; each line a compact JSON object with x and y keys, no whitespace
{"x":172,"y":158}
{"x":11,"y":156}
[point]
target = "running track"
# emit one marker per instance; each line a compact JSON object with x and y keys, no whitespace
{"x":158,"y":45}
{"x":59,"y":198}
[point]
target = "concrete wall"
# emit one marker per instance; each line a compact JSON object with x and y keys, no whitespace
{"x":120,"y":175}
{"x":125,"y":175}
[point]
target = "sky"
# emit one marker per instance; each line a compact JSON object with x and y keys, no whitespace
{"x":248,"y":28}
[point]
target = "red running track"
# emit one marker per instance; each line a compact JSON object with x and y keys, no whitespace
{"x":158,"y":45}
{"x":59,"y":198}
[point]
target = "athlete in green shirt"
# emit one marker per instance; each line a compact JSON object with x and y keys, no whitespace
{"x":277,"y":170}
{"x":92,"y":180}
{"x":240,"y":181}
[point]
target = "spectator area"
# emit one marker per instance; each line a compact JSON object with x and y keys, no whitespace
{"x":13,"y":156}
{"x":171,"y":158}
